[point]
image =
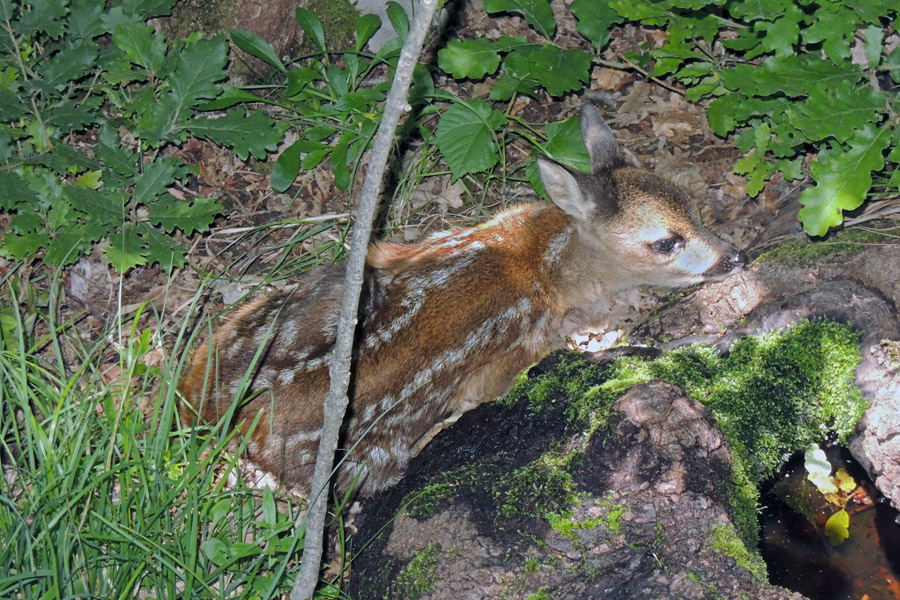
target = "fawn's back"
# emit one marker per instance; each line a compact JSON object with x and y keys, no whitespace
{"x":448,"y":323}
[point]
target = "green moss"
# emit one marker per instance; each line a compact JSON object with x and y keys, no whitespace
{"x":541,"y":594}
{"x":424,"y":502}
{"x":771,"y":396}
{"x":207,"y":16}
{"x":566,"y":524}
{"x":338,"y":19}
{"x":725,"y":539}
{"x":588,"y":390}
{"x":800,"y":252}
{"x":539,"y":488}
{"x":418,"y":577}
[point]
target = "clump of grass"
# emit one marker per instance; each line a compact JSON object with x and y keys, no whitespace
{"x":105,"y":495}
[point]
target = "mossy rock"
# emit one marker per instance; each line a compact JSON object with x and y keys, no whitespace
{"x":538,"y":473}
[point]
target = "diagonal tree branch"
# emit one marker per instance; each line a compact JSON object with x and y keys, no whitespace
{"x":336,"y":401}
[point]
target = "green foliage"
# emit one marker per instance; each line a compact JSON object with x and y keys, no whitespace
{"x":536,"y":12}
{"x":103,"y":495}
{"x":467,"y":135}
{"x":332,"y":100}
{"x":90,"y":99}
{"x":780,"y":78}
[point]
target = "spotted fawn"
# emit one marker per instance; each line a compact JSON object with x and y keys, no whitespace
{"x":447,"y":323}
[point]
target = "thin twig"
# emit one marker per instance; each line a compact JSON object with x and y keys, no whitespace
{"x":339,"y":369}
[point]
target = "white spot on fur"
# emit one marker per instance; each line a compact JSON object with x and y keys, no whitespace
{"x":411,"y":305}
{"x":400,"y":451}
{"x":453,"y":238}
{"x":286,"y":377}
{"x":368,"y":414}
{"x":378,"y":457}
{"x":555,"y":247}
{"x":387,"y":403}
{"x":264,"y":379}
{"x":262,"y":335}
{"x":303,"y":438}
{"x":287,"y":337}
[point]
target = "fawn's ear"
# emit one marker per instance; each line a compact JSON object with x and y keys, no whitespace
{"x":564,"y":189}
{"x":599,"y":140}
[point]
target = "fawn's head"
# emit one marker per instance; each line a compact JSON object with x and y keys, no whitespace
{"x":643,"y":229}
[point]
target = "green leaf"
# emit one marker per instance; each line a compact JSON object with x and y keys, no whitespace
{"x":793,"y":75}
{"x":111,"y":153}
{"x":753,"y":10}
{"x":147,"y":9}
{"x":141,"y":45}
{"x":199,"y":67}
{"x":837,"y":110}
{"x":269,"y":512}
{"x":255,"y":134}
{"x":254,"y":45}
{"x":72,"y":62}
{"x":229,"y":97}
{"x":399,"y":19}
{"x":155,"y":180}
{"x":835,"y":26}
{"x":565,"y":144}
{"x":339,"y":165}
{"x":216,"y":551}
{"x":70,"y":243}
{"x":469,"y":58}
{"x":366,"y":26}
{"x":791,"y":169}
{"x":465,"y":136}
{"x":844,"y":181}
{"x":162,"y":248}
{"x":312,"y":26}
{"x":537,"y":13}
{"x":21,"y":246}
{"x":43,"y":16}
{"x":314,"y":158}
{"x":75,"y":114}
{"x":126,"y":249}
{"x":872,"y":11}
{"x":7,"y":10}
{"x":641,"y":10}
{"x":187,"y":216}
{"x":97,"y":207}
{"x":11,"y":106}
{"x":892,"y":64}
{"x":14,"y":191}
{"x":84,"y":19}
{"x":783,"y":33}
{"x":594,"y":20}
{"x":557,"y":70}
{"x":286,"y":168}
{"x":837,"y":527}
{"x":874,"y":36}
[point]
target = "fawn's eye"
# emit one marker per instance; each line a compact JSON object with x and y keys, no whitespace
{"x":668,"y":245}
